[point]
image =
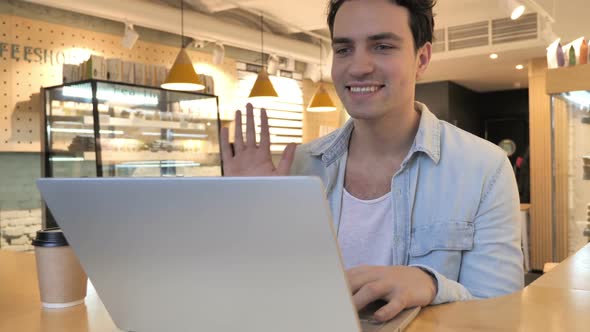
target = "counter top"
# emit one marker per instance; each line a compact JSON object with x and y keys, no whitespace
{"x":20,"y":305}
{"x":572,"y":273}
{"x":533,"y":309}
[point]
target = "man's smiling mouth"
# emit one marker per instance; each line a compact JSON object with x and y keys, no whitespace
{"x":366,"y":89}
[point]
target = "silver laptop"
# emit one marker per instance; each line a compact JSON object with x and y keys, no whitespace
{"x":210,"y":254}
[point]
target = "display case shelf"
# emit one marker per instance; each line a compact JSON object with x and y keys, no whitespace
{"x":142,"y":123}
{"x":128,"y":156}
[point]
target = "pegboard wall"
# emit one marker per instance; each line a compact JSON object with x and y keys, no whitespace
{"x":31,"y":56}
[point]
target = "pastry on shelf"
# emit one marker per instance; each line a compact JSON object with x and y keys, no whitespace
{"x":166,"y":116}
{"x":82,"y":144}
{"x":125,"y":114}
{"x":160,"y":145}
{"x":104,"y":108}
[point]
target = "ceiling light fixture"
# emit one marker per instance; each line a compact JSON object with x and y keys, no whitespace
{"x":218,"y":54}
{"x":263,"y":87}
{"x":182,"y":75}
{"x":515,"y":8}
{"x":130,"y":36}
{"x":519,"y":67}
{"x":321,"y":101}
{"x":272,"y":64}
{"x":493,"y":56}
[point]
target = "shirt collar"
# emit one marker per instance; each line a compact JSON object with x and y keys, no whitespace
{"x":427,"y":139}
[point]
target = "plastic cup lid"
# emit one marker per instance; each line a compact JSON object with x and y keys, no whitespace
{"x":53,"y":237}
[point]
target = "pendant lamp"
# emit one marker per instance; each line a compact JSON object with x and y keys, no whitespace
{"x":321,"y":101}
{"x":182,"y":75}
{"x":262,"y":86}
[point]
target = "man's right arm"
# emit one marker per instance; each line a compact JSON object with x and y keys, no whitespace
{"x":494,"y":266}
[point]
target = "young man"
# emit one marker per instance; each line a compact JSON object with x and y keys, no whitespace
{"x":425,"y":213}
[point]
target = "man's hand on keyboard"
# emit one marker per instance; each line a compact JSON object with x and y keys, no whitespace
{"x":400,"y":286}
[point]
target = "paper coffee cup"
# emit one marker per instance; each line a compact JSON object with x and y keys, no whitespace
{"x":62,"y":281}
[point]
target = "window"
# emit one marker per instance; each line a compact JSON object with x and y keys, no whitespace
{"x":285,"y":114}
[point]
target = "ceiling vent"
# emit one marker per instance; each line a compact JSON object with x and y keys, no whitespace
{"x":485,"y":33}
{"x":468,"y":35}
{"x":439,"y":41}
{"x":507,"y":30}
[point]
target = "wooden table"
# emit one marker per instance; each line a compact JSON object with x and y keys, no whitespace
{"x":20,"y":306}
{"x":558,"y":301}
{"x":572,"y":273}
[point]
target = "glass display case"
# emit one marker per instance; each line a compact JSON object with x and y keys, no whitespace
{"x":98,"y":128}
{"x":105,"y":129}
{"x":570,"y":145}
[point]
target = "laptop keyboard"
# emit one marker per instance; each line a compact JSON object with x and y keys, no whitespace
{"x":397,"y":324}
{"x":370,"y":325}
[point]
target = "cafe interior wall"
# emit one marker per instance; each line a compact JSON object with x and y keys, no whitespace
{"x":31,"y":56}
{"x":34,"y":43}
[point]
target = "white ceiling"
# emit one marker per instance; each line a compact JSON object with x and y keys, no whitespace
{"x":478,"y":71}
{"x":471,"y":69}
{"x":285,"y":20}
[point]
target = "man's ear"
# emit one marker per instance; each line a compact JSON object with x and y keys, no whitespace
{"x":423,"y":59}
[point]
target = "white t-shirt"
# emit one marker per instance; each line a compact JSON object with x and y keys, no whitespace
{"x":365,"y":234}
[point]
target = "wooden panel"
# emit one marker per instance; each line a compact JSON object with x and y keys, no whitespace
{"x":540,"y":161}
{"x":542,"y":81}
{"x":316,"y":124}
{"x":562,"y":147}
{"x":568,"y":79}
{"x":22,"y":74}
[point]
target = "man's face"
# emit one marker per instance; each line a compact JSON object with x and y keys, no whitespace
{"x":375,"y":65}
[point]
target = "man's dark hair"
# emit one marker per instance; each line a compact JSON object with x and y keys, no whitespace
{"x":421,"y":18}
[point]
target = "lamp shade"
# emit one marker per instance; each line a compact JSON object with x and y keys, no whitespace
{"x":321,"y":101}
{"x":182,"y":75}
{"x":263,"y":86}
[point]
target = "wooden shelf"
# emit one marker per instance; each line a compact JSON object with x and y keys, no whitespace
{"x":567,"y":79}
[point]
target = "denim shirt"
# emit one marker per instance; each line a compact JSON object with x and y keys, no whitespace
{"x":455,"y":204}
